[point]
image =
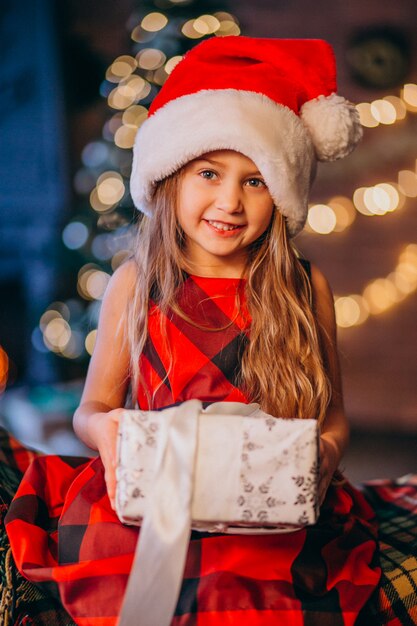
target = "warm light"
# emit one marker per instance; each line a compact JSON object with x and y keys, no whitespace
{"x":380,"y":295}
{"x":347,"y":312}
{"x":344,"y":211}
{"x":90,"y":341}
{"x":409,"y":253}
{"x":160,"y":76}
{"x":154,"y":22}
{"x":383,"y":111}
{"x":407,"y":181}
{"x":189,"y":31}
{"x":173,"y":61}
{"x":366,"y":117}
{"x":96,"y":283}
{"x":110,"y":188}
{"x":402,"y":285}
{"x":223,"y":16}
{"x":359,"y":201}
{"x":392,"y":192}
{"x":96,"y":204}
{"x":206,"y":24}
{"x":125,"y":137}
{"x":399,"y":106}
{"x":227,"y":27}
{"x":56,"y":309}
{"x":121,"y":68}
{"x":381,"y":198}
{"x":150,"y":58}
{"x":140,"y":35}
{"x":321,"y":219}
{"x":135,"y":115}
{"x":57,"y":334}
{"x":409,"y":95}
{"x":83,"y":277}
{"x":132,"y":89}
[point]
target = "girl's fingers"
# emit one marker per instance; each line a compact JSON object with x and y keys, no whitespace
{"x":110,"y":478}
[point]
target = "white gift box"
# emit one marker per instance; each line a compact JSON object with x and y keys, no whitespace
{"x":247,"y":471}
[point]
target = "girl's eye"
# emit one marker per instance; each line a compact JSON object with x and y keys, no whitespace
{"x":256,"y":182}
{"x":208,"y":174}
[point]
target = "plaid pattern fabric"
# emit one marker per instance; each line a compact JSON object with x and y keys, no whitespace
{"x":395,"y":503}
{"x":62,"y":528}
{"x":21,"y":602}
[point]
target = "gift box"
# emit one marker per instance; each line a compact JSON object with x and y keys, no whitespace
{"x":245,"y":471}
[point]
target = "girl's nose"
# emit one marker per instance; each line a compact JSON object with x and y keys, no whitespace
{"x":229,"y":198}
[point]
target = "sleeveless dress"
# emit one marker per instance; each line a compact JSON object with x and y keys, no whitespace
{"x":65,"y":536}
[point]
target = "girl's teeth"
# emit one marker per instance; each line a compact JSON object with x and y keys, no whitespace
{"x":221,"y":226}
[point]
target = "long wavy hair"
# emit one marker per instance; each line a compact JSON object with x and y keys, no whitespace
{"x":282,"y":367}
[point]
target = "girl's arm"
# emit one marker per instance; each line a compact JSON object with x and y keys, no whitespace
{"x":335,"y":429}
{"x":96,"y":419}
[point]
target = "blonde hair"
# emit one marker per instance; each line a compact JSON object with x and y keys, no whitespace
{"x":282,"y":366}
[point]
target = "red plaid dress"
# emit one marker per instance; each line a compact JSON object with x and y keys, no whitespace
{"x":63,"y":531}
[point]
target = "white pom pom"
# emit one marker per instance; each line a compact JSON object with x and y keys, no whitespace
{"x":334,"y":126}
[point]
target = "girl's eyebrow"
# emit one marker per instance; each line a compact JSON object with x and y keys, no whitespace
{"x":218,"y":163}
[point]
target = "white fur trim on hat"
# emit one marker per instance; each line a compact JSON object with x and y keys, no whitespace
{"x":334,"y":126}
{"x":271,"y":135}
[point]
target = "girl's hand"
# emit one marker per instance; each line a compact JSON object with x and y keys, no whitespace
{"x":103,"y":431}
{"x":329,"y":462}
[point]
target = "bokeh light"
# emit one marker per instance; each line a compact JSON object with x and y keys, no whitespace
{"x":321,"y":218}
{"x":173,"y":61}
{"x":75,"y":235}
{"x":154,"y":22}
{"x":409,"y":96}
{"x":90,"y":341}
{"x":383,"y":111}
{"x":407,"y":182}
{"x":150,"y":58}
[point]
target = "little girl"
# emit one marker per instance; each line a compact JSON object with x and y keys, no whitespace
{"x":216,"y":304}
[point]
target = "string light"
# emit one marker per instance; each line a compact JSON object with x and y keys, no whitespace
{"x":380,"y":199}
{"x":390,"y":109}
{"x":381,"y":294}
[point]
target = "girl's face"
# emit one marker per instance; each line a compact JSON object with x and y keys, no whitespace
{"x":223,"y":207}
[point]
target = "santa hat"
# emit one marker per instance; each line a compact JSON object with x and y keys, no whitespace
{"x":273,"y":100}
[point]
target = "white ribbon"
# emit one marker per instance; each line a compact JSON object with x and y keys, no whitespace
{"x":158,"y":566}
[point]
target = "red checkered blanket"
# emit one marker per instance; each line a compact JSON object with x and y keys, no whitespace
{"x":394,"y":602}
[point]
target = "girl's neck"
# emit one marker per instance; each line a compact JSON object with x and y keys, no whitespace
{"x":215,"y":271}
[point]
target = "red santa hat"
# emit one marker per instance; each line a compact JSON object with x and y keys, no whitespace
{"x":273,"y":100}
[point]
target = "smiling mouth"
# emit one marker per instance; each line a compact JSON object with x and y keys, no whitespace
{"x":223,"y":226}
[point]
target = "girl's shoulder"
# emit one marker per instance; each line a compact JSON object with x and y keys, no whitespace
{"x":124,"y":277}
